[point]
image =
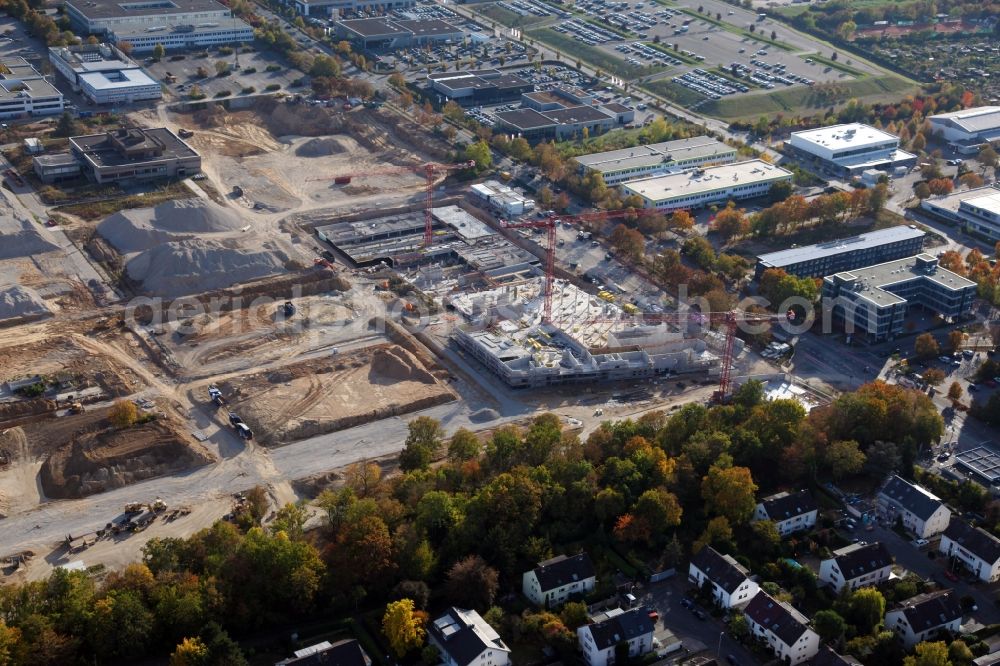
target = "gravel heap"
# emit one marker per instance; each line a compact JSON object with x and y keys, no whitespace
{"x":194,"y":266}
{"x":144,"y":228}
{"x":17,"y":301}
{"x":19,"y":237}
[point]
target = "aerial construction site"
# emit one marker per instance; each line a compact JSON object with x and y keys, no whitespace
{"x":282,"y":317}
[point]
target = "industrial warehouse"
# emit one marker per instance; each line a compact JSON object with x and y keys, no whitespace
{"x":654,"y":159}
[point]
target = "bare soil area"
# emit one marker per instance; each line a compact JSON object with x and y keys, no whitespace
{"x":88,"y":455}
{"x":60,"y":356}
{"x":323,"y":395}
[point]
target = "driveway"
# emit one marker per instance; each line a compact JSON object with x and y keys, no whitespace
{"x":917,"y":561}
{"x":696,"y":634}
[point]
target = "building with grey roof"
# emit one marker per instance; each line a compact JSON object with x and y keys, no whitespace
{"x":132,"y":154}
{"x":464,"y":638}
{"x":24,"y":93}
{"x":176,"y":24}
{"x":783,"y":628}
{"x":974,"y":547}
{"x":844,"y":254}
{"x":702,"y":186}
{"x":920,"y":511}
{"x":855,"y":566}
{"x":556,"y":124}
{"x":341,"y":7}
{"x":478,"y":87}
{"x":977,"y":210}
{"x":392,"y":33}
{"x":968,"y":129}
{"x":729,"y":580}
{"x":55,"y":167}
{"x":981,"y":461}
{"x":790,"y":512}
{"x":342,"y":653}
{"x":618,"y":166}
{"x":560,"y":579}
{"x":925,"y":616}
{"x":599,"y":640}
{"x":872,"y":302}
{"x":827,"y":657}
{"x":104,"y":74}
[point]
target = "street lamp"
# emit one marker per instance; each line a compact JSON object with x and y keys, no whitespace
{"x":718,"y":650}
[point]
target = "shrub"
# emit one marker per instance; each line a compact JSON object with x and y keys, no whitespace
{"x":273,"y":68}
{"x":223,"y":93}
{"x":33,"y":390}
{"x":123,"y":414}
{"x":250,"y":70}
{"x":273,"y":87}
{"x":249,"y":90}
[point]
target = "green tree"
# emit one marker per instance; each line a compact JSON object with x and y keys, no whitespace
{"x":955,"y":392}
{"x":325,"y":66}
{"x":402,"y":627}
{"x":777,"y":286}
{"x":158,"y":52}
{"x":463,"y":445}
{"x":960,"y":654}
{"x":67,"y":126}
{"x":481,"y":154}
{"x":922,"y":190}
{"x":221,"y":67}
{"x":423,"y":442}
{"x":290,"y":520}
{"x":829,"y":625}
{"x":867,"y":607}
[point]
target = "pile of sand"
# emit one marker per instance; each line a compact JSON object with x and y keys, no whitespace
{"x":320,"y":148}
{"x":399,"y":365}
{"x":18,"y":302}
{"x":484,"y":415}
{"x":144,"y":228}
{"x":195,"y":266}
{"x":19,"y":237}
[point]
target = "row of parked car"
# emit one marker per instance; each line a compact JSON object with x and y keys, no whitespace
{"x":712,"y":86}
{"x":589,"y":34}
{"x":640,"y":50}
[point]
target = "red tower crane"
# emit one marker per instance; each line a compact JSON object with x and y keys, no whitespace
{"x":730,"y":319}
{"x":430,"y":171}
{"x":550,"y":224}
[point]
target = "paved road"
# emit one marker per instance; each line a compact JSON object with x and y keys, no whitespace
{"x":666,"y":597}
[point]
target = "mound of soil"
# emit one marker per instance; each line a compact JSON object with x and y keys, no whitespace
{"x":484,"y":416}
{"x":19,"y":237}
{"x":17,"y":301}
{"x":398,"y":365}
{"x":100,"y":460}
{"x":140,"y":229}
{"x":320,"y":148}
{"x":195,"y":266}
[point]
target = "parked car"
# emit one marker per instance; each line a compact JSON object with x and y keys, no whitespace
{"x":950,"y":575}
{"x":920,"y":543}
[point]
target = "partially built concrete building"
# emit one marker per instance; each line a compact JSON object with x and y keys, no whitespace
{"x":589,"y":339}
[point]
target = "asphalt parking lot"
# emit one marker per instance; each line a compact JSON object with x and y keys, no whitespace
{"x":186,"y":70}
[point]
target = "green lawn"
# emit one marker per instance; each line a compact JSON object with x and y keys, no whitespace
{"x":674,"y":92}
{"x":573,"y":50}
{"x":509,"y":18}
{"x":837,"y":65}
{"x":802,"y":100}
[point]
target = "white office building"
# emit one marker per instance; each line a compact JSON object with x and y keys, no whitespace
{"x":967,"y":130}
{"x":654,"y":159}
{"x":176,"y":24}
{"x":703,"y":186}
{"x":104,"y":74}
{"x":849,"y":150}
{"x":25,"y":93}
{"x":977,"y":210}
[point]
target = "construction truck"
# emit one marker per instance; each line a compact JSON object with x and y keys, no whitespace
{"x":76,"y":408}
{"x":185,"y":133}
{"x":216,"y":395}
{"x":133,"y":508}
{"x":289,"y":309}
{"x":158,"y":506}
